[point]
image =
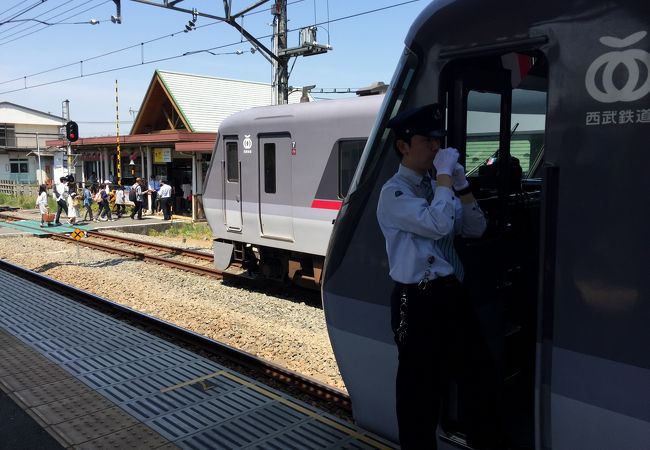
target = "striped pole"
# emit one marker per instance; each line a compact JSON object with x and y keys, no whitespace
{"x":117,"y":125}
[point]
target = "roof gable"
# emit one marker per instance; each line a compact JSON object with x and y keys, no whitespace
{"x":159,"y":112}
{"x":200,"y":102}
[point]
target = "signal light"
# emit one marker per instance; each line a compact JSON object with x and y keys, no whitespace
{"x":71,"y":131}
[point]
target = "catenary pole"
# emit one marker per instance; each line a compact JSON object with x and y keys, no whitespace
{"x":117,"y":126}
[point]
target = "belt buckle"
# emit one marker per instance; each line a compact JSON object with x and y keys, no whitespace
{"x":422,"y":285}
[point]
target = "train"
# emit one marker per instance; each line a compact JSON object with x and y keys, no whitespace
{"x":559,"y":279}
{"x":279,"y":175}
{"x":277,"y":179}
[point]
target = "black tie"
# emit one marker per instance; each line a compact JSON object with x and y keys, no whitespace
{"x":427,"y":189}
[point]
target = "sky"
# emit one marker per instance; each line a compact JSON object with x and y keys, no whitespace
{"x":366,"y":36}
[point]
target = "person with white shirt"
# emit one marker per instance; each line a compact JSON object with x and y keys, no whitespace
{"x":41,"y":202}
{"x":165,"y":193}
{"x":119,"y":201}
{"x":60,"y":194}
{"x":434,"y":325}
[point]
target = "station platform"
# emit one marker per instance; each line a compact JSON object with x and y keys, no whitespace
{"x":92,"y":382}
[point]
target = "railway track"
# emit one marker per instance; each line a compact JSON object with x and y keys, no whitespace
{"x":197,"y":262}
{"x":166,"y":255}
{"x":326,"y":396}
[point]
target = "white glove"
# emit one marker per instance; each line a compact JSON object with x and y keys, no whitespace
{"x":459,"y":180}
{"x":445,"y":161}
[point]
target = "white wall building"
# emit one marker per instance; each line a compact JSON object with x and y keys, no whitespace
{"x":24,"y":157}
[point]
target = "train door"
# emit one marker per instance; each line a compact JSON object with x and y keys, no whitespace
{"x":275,"y":206}
{"x":499,"y":128}
{"x":231,"y":175}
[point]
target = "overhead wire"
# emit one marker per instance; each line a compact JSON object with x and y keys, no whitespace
{"x":18,"y":25}
{"x":27,"y":9}
{"x":129,"y":47}
{"x":13,"y":7}
{"x":46,"y":26}
{"x":169,"y":58}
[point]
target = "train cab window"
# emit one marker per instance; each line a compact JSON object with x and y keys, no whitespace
{"x":269,"y":168}
{"x":526,"y":130}
{"x":232,"y":162}
{"x":349,"y":155}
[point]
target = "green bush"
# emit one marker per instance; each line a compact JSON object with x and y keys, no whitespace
{"x":24,"y":202}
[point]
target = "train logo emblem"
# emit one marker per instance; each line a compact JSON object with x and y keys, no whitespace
{"x":599,"y":80}
{"x":247,"y":143}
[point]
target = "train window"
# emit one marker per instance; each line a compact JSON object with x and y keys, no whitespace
{"x":232,"y":162}
{"x":349,"y":155}
{"x":269,"y":168}
{"x":527,"y":129}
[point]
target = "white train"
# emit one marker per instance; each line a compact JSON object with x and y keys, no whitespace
{"x":277,"y":180}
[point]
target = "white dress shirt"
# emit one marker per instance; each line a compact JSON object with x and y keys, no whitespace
{"x":411,"y":225}
{"x":165,"y":191}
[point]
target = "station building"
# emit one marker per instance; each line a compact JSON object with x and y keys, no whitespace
{"x":173,"y":134}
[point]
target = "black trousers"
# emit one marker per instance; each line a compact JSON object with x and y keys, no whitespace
{"x":61,"y":206}
{"x":137,"y":209}
{"x":164,"y":206}
{"x":442,"y":341}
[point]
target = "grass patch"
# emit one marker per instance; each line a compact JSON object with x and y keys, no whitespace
{"x":24,"y":201}
{"x":199,"y":231}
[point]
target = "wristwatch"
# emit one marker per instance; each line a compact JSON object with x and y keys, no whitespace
{"x":464,"y":191}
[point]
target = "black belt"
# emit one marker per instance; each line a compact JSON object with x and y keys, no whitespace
{"x":423,"y":285}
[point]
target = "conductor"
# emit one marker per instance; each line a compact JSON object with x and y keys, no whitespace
{"x":430,"y":315}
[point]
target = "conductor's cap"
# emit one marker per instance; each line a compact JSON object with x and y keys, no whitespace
{"x":425,"y":120}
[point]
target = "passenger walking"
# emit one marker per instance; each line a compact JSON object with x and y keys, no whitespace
{"x":105,"y":212}
{"x":97,"y":198}
{"x":435,"y":328}
{"x":41,"y":202}
{"x":60,"y":194}
{"x":120,"y":208}
{"x":139,"y":197}
{"x":74,"y":202}
{"x":88,"y":203}
{"x":165,"y":197}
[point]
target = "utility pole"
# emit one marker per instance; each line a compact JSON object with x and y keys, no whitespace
{"x":281,"y":64}
{"x":280,"y":55}
{"x":66,"y":115}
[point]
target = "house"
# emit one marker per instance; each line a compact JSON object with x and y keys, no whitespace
{"x":24,"y":157}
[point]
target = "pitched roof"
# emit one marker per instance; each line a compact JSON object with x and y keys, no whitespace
{"x":198,"y":103}
{"x":13,"y":113}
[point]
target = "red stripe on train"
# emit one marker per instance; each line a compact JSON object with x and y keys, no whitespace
{"x":326,"y":204}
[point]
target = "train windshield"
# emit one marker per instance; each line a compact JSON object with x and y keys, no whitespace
{"x":379,"y":137}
